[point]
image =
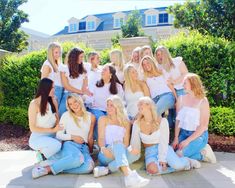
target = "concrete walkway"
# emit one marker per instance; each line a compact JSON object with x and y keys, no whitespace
{"x":15,"y":172}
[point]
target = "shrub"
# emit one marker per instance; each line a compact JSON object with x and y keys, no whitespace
{"x":222,"y":121}
{"x":211,"y":58}
{"x":15,"y":116}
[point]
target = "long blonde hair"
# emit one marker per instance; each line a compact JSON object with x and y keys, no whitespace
{"x":167,"y":61}
{"x":119,"y":57}
{"x":52,"y":46}
{"x":120,"y":109}
{"x":196,"y":85}
{"x":153,"y":110}
{"x":143,"y":49}
{"x":129,"y":83}
{"x":85,"y":114}
{"x":155,"y":71}
{"x":136,"y":50}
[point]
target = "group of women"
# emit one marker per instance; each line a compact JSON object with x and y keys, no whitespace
{"x":121,"y":106}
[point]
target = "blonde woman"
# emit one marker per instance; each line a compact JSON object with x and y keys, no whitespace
{"x":51,"y":68}
{"x":135,"y":58}
{"x":146,"y":50}
{"x":174,"y":68}
{"x":74,"y":157}
{"x":153,"y":132}
{"x":117,"y":61}
{"x":114,"y":135}
{"x":74,"y":77}
{"x":191,"y":130}
{"x":133,"y":90}
{"x":162,"y":93}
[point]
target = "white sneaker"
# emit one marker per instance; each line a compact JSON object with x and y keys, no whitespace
{"x":208,"y":154}
{"x":100,"y":171}
{"x":39,"y":171}
{"x":135,"y":180}
{"x":194,"y":163}
{"x":45,"y":163}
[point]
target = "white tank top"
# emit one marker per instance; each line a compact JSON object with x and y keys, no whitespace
{"x":132,"y":101}
{"x":114,"y":133}
{"x":46,"y":121}
{"x":54,"y":76}
{"x":157,"y":86}
{"x":189,"y":117}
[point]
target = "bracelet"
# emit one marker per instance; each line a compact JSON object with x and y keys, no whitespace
{"x":101,"y":149}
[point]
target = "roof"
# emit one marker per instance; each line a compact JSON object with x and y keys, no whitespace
{"x":107,"y":21}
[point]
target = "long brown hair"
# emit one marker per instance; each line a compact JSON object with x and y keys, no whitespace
{"x":75,"y":69}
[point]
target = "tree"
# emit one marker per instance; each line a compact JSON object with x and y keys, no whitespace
{"x":214,"y":17}
{"x":11,"y":18}
{"x":133,"y":27}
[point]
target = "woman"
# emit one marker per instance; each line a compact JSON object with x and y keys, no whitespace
{"x":134,"y":89}
{"x":191,"y":130}
{"x":173,"y":68}
{"x":106,"y":86}
{"x":43,"y":121}
{"x":146,"y":50}
{"x":114,"y":135}
{"x":117,"y":62}
{"x":153,"y":131}
{"x":51,"y":68}
{"x":162,"y":93}
{"x":74,"y":77}
{"x":135,"y":58}
{"x":74,"y":157}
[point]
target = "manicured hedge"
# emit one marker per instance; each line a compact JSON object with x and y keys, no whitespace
{"x":213,"y":59}
{"x":222,"y":121}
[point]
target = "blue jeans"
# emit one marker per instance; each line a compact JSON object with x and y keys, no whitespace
{"x":97,"y":113}
{"x":175,"y":162}
{"x":193,"y":150}
{"x":73,"y":158}
{"x":122,"y":157}
{"x":59,"y":94}
{"x":46,"y":144}
{"x":62,"y":107}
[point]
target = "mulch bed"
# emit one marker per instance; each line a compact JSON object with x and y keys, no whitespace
{"x":13,"y":137}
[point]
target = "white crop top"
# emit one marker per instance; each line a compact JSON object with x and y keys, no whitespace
{"x":114,"y":133}
{"x":189,"y":117}
{"x":74,"y":82}
{"x":71,"y":128}
{"x":48,"y":120}
{"x":157,"y":86}
{"x":54,"y":76}
{"x":132,"y":101}
{"x":161,"y":137}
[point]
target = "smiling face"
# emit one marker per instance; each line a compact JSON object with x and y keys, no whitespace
{"x":80,"y":58}
{"x":74,"y":105}
{"x":147,"y":51}
{"x":143,"y":107}
{"x":105,"y":74}
{"x":133,"y":73}
{"x":187,"y":85}
{"x":136,"y":57}
{"x":159,"y":57}
{"x":146,"y":65}
{"x":111,"y":110}
{"x":56,"y":53}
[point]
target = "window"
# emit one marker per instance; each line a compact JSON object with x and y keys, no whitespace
{"x":82,"y":25}
{"x":73,"y":27}
{"x":151,"y":20}
{"x":91,"y":25}
{"x":163,"y":18}
{"x":118,"y":22}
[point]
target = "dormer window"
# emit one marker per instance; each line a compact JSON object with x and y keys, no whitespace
{"x":73,"y":27}
{"x":118,"y":22}
{"x":163,"y":18}
{"x":152,"y":20}
{"x":119,"y":19}
{"x":91,"y":25}
{"x":82,"y":26}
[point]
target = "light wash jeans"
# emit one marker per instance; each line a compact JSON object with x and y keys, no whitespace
{"x":193,"y":150}
{"x":122,"y":157}
{"x":175,"y":162}
{"x":73,"y":158}
{"x":62,"y":107}
{"x":59,"y":94}
{"x":97,"y":113}
{"x":47,"y":144}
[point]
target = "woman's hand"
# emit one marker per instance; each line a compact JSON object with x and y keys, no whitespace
{"x":57,"y":128}
{"x":183,"y":144}
{"x":163,"y":165}
{"x":175,"y":143}
{"x":77,"y":139}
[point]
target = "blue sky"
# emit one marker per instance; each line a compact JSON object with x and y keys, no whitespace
{"x":50,"y":16}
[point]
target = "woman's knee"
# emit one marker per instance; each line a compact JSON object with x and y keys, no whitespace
{"x":152,"y":168}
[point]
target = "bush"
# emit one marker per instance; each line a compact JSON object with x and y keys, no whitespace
{"x":211,"y":58}
{"x":15,"y":116}
{"x":222,"y":121}
{"x":19,"y":76}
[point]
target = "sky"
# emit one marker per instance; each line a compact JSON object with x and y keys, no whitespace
{"x":51,"y":16}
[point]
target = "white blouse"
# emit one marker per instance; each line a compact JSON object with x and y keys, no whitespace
{"x":71,"y":128}
{"x":161,"y":137}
